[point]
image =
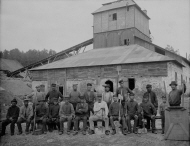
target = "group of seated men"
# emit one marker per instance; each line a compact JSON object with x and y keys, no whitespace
{"x":74,"y":108}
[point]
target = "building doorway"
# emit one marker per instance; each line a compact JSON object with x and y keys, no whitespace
{"x":61,"y":89}
{"x":111,"y":84}
{"x":131,"y":83}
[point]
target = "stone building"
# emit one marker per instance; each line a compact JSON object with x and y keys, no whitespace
{"x":122,"y":50}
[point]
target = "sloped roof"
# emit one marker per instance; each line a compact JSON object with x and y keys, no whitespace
{"x":108,"y":56}
{"x":10,"y":65}
{"x":118,"y":4}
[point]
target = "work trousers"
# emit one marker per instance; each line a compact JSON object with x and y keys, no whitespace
{"x":115,"y":118}
{"x":90,"y":108}
{"x":128,"y":119}
{"x":148,"y":118}
{"x":163,"y":120}
{"x":96,"y":118}
{"x":20,"y":121}
{"x":51,"y":122}
{"x":39,"y":121}
{"x":7,"y":122}
{"x":64,"y":119}
{"x":77,"y":120}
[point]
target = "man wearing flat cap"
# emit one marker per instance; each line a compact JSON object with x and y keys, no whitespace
{"x":152,"y":96}
{"x":74,"y":96}
{"x":90,"y":98}
{"x":174,"y":97}
{"x":11,"y":117}
{"x":107,"y":95}
{"x":123,"y":91}
{"x":53,"y":94}
{"x":26,"y":113}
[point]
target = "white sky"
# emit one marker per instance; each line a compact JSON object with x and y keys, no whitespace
{"x":60,"y":24}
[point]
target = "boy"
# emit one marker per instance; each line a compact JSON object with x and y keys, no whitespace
{"x":107,"y":96}
{"x":174,"y":97}
{"x":66,"y":113}
{"x":131,"y":112}
{"x":100,"y":112}
{"x":53,"y":117}
{"x":147,"y":111}
{"x":12,"y":116}
{"x":114,"y":110}
{"x":163,"y":106}
{"x":26,"y":113}
{"x":81,"y":114}
{"x":41,"y":114}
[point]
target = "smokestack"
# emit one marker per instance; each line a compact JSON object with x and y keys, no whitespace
{"x":145,"y":11}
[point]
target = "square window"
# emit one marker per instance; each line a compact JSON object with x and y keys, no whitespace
{"x":114,"y":16}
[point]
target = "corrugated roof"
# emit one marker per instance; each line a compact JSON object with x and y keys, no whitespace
{"x":118,"y":4}
{"x":10,"y":65}
{"x":108,"y":56}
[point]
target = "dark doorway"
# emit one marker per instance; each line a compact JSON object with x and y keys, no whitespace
{"x":131,"y":82}
{"x":111,"y":84}
{"x":61,"y":89}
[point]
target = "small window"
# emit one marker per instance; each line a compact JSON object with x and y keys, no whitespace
{"x":114,"y":16}
{"x":126,"y":42}
{"x":176,"y":76}
{"x":127,"y":8}
{"x":131,"y":83}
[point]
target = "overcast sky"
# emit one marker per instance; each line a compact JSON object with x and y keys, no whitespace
{"x":59,"y":24}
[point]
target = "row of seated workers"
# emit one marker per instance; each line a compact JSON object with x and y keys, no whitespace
{"x":52,"y":110}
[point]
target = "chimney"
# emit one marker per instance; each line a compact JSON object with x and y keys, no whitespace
{"x":145,"y":11}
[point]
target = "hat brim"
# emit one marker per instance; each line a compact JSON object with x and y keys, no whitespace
{"x":173,"y":84}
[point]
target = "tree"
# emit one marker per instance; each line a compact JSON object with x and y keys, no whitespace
{"x":1,"y":54}
{"x":171,"y":49}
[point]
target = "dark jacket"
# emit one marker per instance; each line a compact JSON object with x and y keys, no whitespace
{"x":174,"y":97}
{"x":42,"y":111}
{"x":54,"y":111}
{"x":13,"y":112}
{"x":89,"y":99}
{"x":53,"y":94}
{"x":114,"y":109}
{"x":152,"y":98}
{"x":148,"y":109}
{"x":131,"y":107}
{"x":81,"y":109}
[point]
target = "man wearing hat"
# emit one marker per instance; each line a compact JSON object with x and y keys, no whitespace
{"x":11,"y":117}
{"x":41,"y":114}
{"x":123,"y":92}
{"x":53,"y":94}
{"x":100,"y":112}
{"x":107,"y":95}
{"x":53,"y":117}
{"x":74,"y":96}
{"x":66,"y":113}
{"x":34,"y":96}
{"x":81,"y":113}
{"x":174,"y":97}
{"x":152,"y":96}
{"x":90,"y":98}
{"x":26,"y":113}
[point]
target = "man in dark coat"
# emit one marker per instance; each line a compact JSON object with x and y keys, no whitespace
{"x":151,"y":96}
{"x":90,"y":98}
{"x":123,"y":91}
{"x":174,"y":97}
{"x":74,"y":96}
{"x":11,"y":118}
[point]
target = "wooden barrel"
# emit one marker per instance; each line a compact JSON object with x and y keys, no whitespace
{"x":176,"y":124}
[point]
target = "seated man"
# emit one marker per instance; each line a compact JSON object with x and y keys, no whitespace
{"x":81,"y":114}
{"x":53,"y":117}
{"x":12,"y":116}
{"x":26,"y":113}
{"x":41,"y":115}
{"x":131,"y":112}
{"x":116,"y":113}
{"x":66,"y":113}
{"x":147,"y":111}
{"x":100,"y":113}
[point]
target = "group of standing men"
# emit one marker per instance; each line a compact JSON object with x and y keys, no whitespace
{"x":53,"y":109}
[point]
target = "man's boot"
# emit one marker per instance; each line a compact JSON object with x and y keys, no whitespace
{"x":113,"y":132}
